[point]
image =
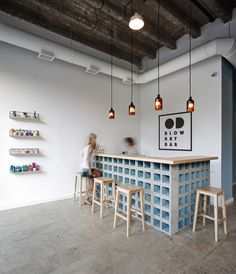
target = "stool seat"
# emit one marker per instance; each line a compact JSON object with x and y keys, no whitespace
{"x":103,"y":180}
{"x":129,"y":190}
{"x":208,"y":192}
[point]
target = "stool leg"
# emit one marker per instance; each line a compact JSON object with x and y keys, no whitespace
{"x":81,"y":190}
{"x":113,"y":193}
{"x":116,"y":209}
{"x":216,"y":216}
{"x":102,"y":198}
{"x":204,"y":209}
{"x":196,"y":211}
{"x":93,"y":197}
{"x":224,"y":213}
{"x":107,"y":195}
{"x":128,"y":213}
{"x":142,"y":209}
{"x":75,"y":187}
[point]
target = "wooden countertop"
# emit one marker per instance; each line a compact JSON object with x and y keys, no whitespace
{"x":162,"y":160}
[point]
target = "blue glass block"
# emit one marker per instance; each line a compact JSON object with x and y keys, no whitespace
{"x":166,"y":179}
{"x":139,"y":205}
{"x":157,"y":189}
{"x":156,"y":223}
{"x":132,"y":162}
{"x":165,"y":227}
{"x":181,"y":178}
{"x":199,"y":184}
{"x":203,"y":164}
{"x":181,"y":189}
{"x":186,"y":221}
{"x":187,"y":177}
{"x":203,"y":173}
{"x":132,"y":172}
{"x":187,"y":199}
{"x":121,"y":206}
{"x":110,"y":160}
{"x":187,"y":188}
{"x":192,"y":207}
{"x":194,"y":175}
{"x":147,"y":208}
{"x":125,"y":199}
{"x":120,"y":179}
{"x":115,"y":168}
{"x":147,"y":175}
{"x":186,"y":166}
{"x":120,"y":161}
{"x":105,"y":167}
{"x":199,"y":174}
{"x":133,"y":202}
{"x":140,"y":174}
{"x":181,"y":224}
{"x":105,"y":175}
{"x":115,"y":160}
{"x":157,"y":177}
{"x":110,"y":168}
{"x":208,"y":163}
{"x":181,"y":166}
{"x":101,"y":158}
{"x":140,"y":163}
{"x":140,"y":183}
{"x":101,"y":166}
{"x":126,"y":171}
{"x":165,"y":203}
{"x":198,"y":164}
{"x":132,"y":181}
{"x":126,"y":180}
{"x":194,"y":185}
{"x":207,"y":172}
{"x":194,"y":165}
{"x":165,"y":215}
{"x":148,"y":186}
{"x":156,"y":165}
{"x":157,"y":211}
{"x":187,"y":210}
{"x":181,"y":201}
{"x":147,"y":197}
{"x":192,"y":216}
{"x":193,"y":197}
{"x":109,"y":192}
{"x":115,"y":177}
{"x":125,"y":208}
{"x":165,"y":167}
{"x":156,"y":200}
{"x":147,"y":164}
{"x":207,"y":182}
{"x":105,"y":159}
{"x":181,"y":212}
{"x":204,"y":183}
{"x":165,"y":191}
{"x":147,"y":218}
{"x":97,"y":158}
{"x":120,"y":170}
{"x":126,"y":162}
{"x":110,"y":175}
{"x":97,"y":165}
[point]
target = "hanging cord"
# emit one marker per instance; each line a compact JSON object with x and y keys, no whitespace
{"x":190,"y":48}
{"x":158,"y":49}
{"x":111,"y":62}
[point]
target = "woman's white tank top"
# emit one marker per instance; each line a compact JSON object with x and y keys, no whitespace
{"x":85,"y":156}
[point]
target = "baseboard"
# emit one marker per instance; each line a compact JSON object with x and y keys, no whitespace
{"x":58,"y":198}
{"x":229,"y":201}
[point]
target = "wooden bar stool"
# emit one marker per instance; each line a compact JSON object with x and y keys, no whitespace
{"x":128,"y":190}
{"x":104,"y":193}
{"x":215,"y":193}
{"x":78,"y":187}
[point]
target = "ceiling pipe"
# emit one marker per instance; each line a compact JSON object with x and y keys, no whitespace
{"x":225,"y":47}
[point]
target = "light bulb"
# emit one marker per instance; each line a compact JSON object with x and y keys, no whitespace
{"x":136,"y":22}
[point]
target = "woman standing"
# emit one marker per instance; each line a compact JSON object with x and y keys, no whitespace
{"x":87,"y":163}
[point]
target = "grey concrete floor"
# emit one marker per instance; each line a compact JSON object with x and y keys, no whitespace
{"x":62,"y":238}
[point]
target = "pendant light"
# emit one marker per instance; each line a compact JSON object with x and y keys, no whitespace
{"x":158,"y":100}
{"x":190,"y":102}
{"x":111,"y":114}
{"x":136,"y":22}
{"x":132,"y":106}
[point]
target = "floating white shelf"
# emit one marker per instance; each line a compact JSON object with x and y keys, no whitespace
{"x":25,"y":136}
{"x":28,"y":116}
{"x":26,"y":172}
{"x":24,"y":151}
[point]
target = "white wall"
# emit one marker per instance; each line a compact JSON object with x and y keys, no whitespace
{"x":71,"y":103}
{"x":206,"y":118}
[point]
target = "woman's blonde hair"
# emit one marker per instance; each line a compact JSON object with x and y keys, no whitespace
{"x":91,"y":140}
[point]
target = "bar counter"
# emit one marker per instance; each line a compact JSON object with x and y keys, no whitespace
{"x":169,"y":183}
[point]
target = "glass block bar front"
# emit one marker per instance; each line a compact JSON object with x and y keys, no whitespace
{"x":169,"y":188}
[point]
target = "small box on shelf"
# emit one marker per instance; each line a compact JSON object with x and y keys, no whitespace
{"x":19,"y":115}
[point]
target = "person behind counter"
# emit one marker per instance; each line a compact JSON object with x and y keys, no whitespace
{"x":87,"y":162}
{"x":130,"y":146}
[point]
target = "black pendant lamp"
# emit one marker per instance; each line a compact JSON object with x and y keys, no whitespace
{"x":158,"y":100}
{"x":111,"y":114}
{"x":190,"y":102}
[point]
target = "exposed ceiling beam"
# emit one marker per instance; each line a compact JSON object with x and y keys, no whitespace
{"x":60,"y":24}
{"x":165,"y":38}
